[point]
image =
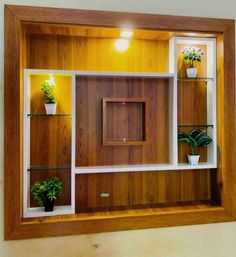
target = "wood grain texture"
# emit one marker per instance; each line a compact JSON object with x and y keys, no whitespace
{"x":15,"y":227}
{"x":103,"y":32}
{"x":125,"y":121}
{"x":130,"y":189}
{"x":90,"y":91}
{"x":50,"y":137}
{"x":95,"y":54}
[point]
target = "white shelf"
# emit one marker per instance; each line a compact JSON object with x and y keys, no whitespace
{"x":39,"y":211}
{"x":104,"y":73}
{"x":151,"y":167}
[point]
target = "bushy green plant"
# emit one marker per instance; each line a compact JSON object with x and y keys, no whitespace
{"x":45,"y":190}
{"x":192,"y":54}
{"x":47,"y":88}
{"x":195,"y":139}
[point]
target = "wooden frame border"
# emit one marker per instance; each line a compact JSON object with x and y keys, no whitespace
{"x":15,"y":16}
{"x":143,"y":101}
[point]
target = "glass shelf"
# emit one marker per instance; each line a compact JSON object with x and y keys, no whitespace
{"x":40,"y":168}
{"x":195,"y":79}
{"x":196,"y":126}
{"x":47,"y":115}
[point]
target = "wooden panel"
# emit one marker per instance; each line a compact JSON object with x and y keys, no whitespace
{"x":130,"y":189}
{"x":192,"y":101}
{"x":125,"y":121}
{"x":50,"y":143}
{"x":50,"y":137}
{"x":96,"y":54}
{"x":102,"y":32}
{"x":89,"y":93}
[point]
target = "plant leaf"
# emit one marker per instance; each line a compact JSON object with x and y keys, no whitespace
{"x":204,"y":141}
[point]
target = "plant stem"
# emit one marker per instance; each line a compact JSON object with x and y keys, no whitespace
{"x":193,"y":150}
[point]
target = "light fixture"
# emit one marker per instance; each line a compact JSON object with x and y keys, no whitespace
{"x":121,"y":45}
{"x":51,"y":78}
{"x":126,"y":34}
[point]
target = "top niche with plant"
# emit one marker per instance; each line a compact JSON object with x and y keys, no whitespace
{"x":47,"y":87}
{"x":192,"y":54}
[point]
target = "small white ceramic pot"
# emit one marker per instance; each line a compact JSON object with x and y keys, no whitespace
{"x":50,"y":108}
{"x":193,"y":159}
{"x":192,"y":72}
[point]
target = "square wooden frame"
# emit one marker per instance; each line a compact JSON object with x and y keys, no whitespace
{"x":144,"y":101}
{"x":15,"y":226}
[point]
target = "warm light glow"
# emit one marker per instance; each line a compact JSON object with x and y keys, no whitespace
{"x":126,"y":34}
{"x":51,"y":78}
{"x":121,"y":45}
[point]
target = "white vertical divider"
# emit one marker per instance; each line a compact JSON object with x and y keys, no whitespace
{"x":173,"y":102}
{"x":26,"y":145}
{"x":211,"y":100}
{"x":73,"y":124}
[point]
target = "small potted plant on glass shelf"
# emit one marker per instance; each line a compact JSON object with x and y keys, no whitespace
{"x":192,"y":55}
{"x":195,"y":139}
{"x":50,"y":103}
{"x":46,"y":192}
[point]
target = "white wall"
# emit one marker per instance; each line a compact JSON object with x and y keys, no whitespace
{"x":215,"y":240}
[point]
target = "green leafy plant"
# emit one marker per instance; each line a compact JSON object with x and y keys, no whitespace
{"x":46,"y":190}
{"x":192,"y":54}
{"x":195,"y":139}
{"x":47,"y":88}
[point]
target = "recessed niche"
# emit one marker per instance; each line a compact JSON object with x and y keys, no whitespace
{"x":125,"y":121}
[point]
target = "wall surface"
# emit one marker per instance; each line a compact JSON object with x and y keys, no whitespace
{"x":214,"y":240}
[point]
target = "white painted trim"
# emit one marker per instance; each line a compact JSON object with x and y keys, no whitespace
{"x":96,"y":73}
{"x":26,"y":143}
{"x":73,"y":126}
{"x":39,"y":211}
{"x":147,"y":167}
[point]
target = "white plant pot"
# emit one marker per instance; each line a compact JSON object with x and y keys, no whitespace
{"x":193,"y":159}
{"x":192,"y":72}
{"x":50,"y":108}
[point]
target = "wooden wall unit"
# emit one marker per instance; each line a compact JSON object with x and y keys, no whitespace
{"x":139,"y":199}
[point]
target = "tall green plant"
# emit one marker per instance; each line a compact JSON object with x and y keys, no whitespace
{"x":45,"y":190}
{"x":47,"y":88}
{"x":195,"y":139}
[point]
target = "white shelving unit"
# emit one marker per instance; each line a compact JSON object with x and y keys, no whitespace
{"x":39,"y":211}
{"x":173,"y":126}
{"x":211,"y":84}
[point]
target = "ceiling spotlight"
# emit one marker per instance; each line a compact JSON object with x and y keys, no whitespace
{"x":126,"y":34}
{"x":121,"y":45}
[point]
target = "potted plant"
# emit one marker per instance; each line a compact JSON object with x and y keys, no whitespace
{"x":46,"y":192}
{"x":195,"y":139}
{"x":49,"y":100}
{"x":192,"y":55}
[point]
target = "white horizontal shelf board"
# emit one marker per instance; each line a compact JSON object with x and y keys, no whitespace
{"x":201,"y":165}
{"x":96,"y":73}
{"x":126,"y":74}
{"x":45,"y":71}
{"x":194,"y":40}
{"x":39,"y":211}
{"x":151,"y":167}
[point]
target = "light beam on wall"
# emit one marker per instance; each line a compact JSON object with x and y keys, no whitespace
{"x":122,"y":45}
